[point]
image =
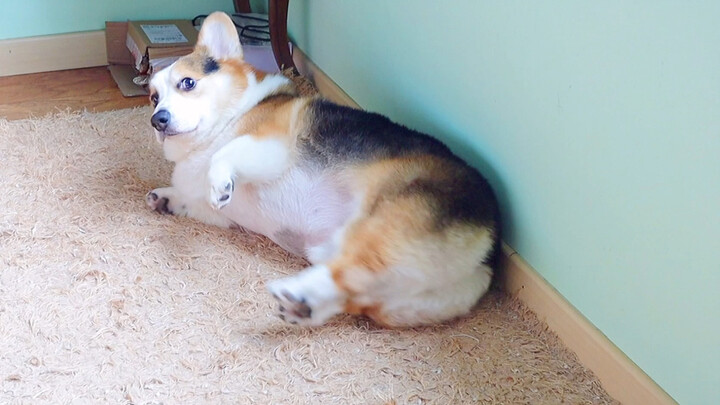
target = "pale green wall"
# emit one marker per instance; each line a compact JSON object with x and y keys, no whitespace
{"x":28,"y":18}
{"x":599,"y":124}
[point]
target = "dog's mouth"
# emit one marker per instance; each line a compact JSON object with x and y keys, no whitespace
{"x":161,"y":135}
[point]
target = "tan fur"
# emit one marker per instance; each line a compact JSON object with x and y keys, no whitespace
{"x":274,"y":117}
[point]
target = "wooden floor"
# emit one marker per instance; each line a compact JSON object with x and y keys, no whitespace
{"x":40,"y":93}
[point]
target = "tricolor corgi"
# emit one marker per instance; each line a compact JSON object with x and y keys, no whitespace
{"x":395,"y":227}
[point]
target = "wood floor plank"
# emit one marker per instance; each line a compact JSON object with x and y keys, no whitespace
{"x":41,"y":93}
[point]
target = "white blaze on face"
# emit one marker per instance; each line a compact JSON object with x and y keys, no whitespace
{"x":185,"y":111}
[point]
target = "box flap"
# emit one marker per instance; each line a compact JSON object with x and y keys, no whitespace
{"x":123,"y":76}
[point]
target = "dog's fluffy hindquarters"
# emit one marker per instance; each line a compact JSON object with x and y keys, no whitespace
{"x":396,"y":227}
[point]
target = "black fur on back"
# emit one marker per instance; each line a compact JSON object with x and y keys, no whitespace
{"x":342,"y":134}
{"x":350,"y":134}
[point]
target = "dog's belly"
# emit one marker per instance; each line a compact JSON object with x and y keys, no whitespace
{"x":301,"y":211}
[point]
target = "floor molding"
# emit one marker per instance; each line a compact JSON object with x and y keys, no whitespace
{"x":619,"y":375}
{"x":622,"y":378}
{"x":52,"y":52}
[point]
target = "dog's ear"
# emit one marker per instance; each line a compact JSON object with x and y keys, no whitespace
{"x":219,"y":37}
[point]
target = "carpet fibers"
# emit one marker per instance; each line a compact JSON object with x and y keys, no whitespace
{"x":104,"y":301}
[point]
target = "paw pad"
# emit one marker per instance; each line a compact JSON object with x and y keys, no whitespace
{"x":157,"y":203}
{"x":220,"y":195}
{"x":298,"y":308}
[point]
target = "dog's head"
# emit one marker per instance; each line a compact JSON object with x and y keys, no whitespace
{"x":195,"y":93}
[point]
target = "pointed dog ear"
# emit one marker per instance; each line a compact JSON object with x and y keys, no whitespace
{"x":219,"y":37}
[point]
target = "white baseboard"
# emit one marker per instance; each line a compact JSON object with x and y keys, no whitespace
{"x":620,"y":377}
{"x":52,"y":52}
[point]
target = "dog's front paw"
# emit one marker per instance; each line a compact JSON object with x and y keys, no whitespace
{"x":222,"y":186}
{"x":158,"y":201}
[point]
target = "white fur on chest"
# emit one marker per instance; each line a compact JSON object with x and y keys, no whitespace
{"x":190,"y":176}
{"x":301,"y":211}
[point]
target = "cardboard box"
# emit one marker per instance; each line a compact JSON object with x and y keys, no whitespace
{"x":121,"y":63}
{"x":156,"y":44}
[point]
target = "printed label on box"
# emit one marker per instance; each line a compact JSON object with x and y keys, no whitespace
{"x":163,"y":33}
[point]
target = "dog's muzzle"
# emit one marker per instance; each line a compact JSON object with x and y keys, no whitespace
{"x":160,"y":120}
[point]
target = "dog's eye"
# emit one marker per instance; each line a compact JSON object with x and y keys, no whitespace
{"x":154,"y":99}
{"x":186,"y":84}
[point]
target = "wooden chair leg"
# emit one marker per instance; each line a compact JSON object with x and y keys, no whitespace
{"x":242,"y":6}
{"x":277,"y":15}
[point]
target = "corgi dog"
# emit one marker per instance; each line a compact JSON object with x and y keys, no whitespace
{"x":394,"y":226}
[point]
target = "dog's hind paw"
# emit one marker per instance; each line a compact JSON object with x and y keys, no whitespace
{"x":309,"y":298}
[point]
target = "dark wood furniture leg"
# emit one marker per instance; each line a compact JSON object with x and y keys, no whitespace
{"x":242,"y":6}
{"x":277,"y":15}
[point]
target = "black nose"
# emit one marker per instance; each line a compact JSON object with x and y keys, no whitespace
{"x":160,"y":120}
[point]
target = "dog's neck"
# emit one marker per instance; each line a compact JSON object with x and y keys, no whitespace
{"x":271,"y":85}
{"x":257,"y":91}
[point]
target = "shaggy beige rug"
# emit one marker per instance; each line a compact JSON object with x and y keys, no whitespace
{"x":104,"y":301}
